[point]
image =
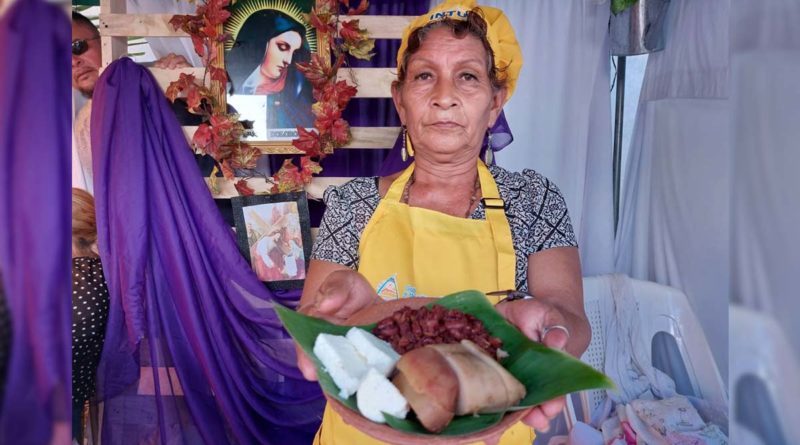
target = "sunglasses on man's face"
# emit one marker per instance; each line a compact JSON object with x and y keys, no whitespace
{"x":80,"y":46}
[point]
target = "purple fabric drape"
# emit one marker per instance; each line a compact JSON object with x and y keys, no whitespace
{"x":186,"y":311}
{"x":34,"y":216}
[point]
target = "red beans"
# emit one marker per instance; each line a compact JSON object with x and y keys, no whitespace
{"x":409,"y":329}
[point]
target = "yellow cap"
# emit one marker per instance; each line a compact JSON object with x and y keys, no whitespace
{"x":507,"y":53}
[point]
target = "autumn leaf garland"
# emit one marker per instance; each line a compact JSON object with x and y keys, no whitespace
{"x":220,"y":133}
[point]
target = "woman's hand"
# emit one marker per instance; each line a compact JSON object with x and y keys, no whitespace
{"x":544,"y":323}
{"x":341,"y":294}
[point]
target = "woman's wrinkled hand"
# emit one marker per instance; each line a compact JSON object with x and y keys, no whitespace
{"x":544,"y":323}
{"x":341,"y":294}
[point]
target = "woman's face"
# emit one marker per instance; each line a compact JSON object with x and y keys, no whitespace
{"x":447,"y":100}
{"x":278,"y":56}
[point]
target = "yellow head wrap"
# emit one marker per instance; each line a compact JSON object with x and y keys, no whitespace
{"x":507,"y":53}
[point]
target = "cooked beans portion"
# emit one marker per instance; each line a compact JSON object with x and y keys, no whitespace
{"x":409,"y":329}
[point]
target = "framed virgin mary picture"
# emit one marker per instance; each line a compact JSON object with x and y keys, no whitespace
{"x":268,"y":39}
{"x":274,"y":235}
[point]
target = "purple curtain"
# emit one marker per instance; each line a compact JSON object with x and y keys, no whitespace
{"x":35,"y":219}
{"x":194,"y":352}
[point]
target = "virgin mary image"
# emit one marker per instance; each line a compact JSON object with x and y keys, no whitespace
{"x":269,"y":39}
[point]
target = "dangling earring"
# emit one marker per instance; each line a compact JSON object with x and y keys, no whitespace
{"x":407,"y":150}
{"x":409,"y":147}
{"x":489,"y":155}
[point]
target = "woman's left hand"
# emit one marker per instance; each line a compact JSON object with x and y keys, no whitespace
{"x":544,"y":323}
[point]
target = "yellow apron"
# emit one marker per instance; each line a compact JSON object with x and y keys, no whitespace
{"x":408,"y":251}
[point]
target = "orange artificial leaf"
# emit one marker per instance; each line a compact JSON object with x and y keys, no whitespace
{"x":186,"y":79}
{"x":289,"y":178}
{"x":202,"y":137}
{"x":343,"y":93}
{"x":199,"y":47}
{"x":212,"y":180}
{"x":317,"y":71}
{"x":227,"y":171}
{"x":173,"y":90}
{"x":208,"y":31}
{"x":243,"y":188}
{"x":218,"y":74}
{"x":215,"y":11}
{"x":351,"y":32}
{"x":224,"y":128}
{"x":179,"y":21}
{"x":193,"y":99}
{"x":320,"y":23}
{"x":307,"y":141}
{"x":362,"y":7}
{"x":245,"y":156}
{"x":340,"y":93}
{"x":326,"y":114}
{"x":222,"y":38}
{"x":331,"y":6}
{"x":340,"y":132}
{"x":212,"y":48}
{"x":309,"y":168}
{"x":360,"y":49}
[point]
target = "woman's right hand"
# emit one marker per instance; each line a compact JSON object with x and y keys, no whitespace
{"x":341,"y":294}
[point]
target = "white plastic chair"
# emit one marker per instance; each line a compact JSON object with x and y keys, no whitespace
{"x":660,"y":309}
{"x":760,"y":349}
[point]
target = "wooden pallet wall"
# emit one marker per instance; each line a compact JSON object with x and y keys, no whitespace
{"x":116,"y":26}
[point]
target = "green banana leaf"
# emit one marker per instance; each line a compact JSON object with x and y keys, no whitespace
{"x":545,"y":373}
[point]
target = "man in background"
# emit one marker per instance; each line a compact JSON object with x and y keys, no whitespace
{"x":87,"y":59}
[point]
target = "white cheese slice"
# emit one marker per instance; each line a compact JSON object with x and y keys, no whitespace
{"x":378,"y":353}
{"x":377,"y":395}
{"x":342,"y":361}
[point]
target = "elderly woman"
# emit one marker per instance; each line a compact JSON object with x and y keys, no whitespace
{"x":449,"y":222}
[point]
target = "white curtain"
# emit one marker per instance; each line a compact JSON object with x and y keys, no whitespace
{"x":675,"y":209}
{"x":765,"y":56}
{"x":560,"y":113}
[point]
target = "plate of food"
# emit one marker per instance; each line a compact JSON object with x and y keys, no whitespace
{"x":445,"y":370}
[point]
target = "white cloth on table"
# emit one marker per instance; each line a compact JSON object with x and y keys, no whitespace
{"x":627,"y":357}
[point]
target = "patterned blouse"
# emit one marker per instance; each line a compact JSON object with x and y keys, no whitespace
{"x":535,"y":209}
{"x":89,"y":316}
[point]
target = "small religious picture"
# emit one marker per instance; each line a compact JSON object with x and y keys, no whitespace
{"x":274,"y":234}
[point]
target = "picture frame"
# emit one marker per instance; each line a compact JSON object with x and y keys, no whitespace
{"x":268,"y":39}
{"x":274,"y":235}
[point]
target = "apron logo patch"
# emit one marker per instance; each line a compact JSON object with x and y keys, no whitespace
{"x":387,"y":289}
